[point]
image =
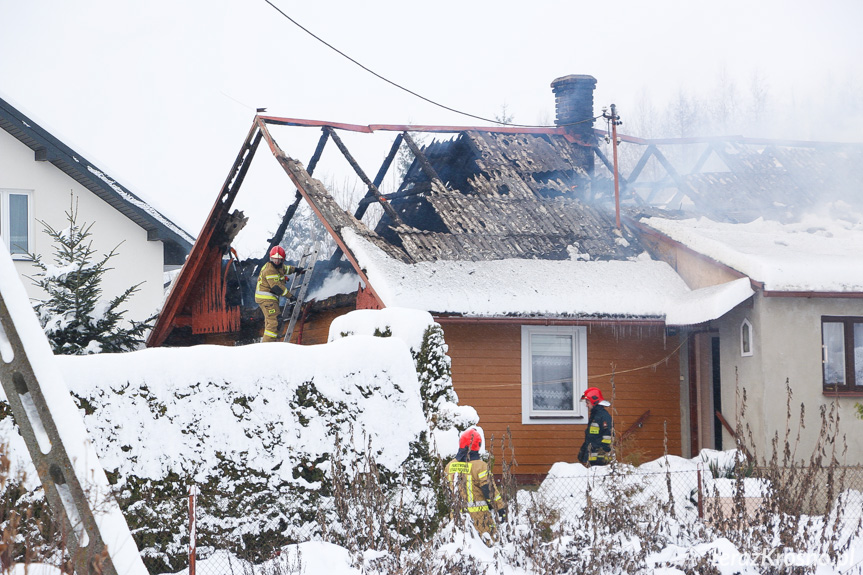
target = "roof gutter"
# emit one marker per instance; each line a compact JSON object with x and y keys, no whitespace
{"x":452,"y":319}
{"x":811,"y":294}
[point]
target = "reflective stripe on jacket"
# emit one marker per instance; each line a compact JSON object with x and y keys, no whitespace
{"x":270,"y":277}
{"x":469,"y":480}
{"x":597,"y":435}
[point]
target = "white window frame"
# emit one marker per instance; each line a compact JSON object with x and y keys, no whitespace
{"x":746,"y":327}
{"x":5,"y":223}
{"x":578,"y":415}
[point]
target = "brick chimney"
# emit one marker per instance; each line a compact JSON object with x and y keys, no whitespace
{"x":573,"y":96}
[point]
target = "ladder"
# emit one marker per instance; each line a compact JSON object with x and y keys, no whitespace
{"x":75,"y":485}
{"x":299,"y":287}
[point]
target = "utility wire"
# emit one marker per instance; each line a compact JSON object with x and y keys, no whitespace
{"x":411,"y":92}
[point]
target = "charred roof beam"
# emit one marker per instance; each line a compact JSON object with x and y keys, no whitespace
{"x":379,"y":178}
{"x":708,"y":151}
{"x":653,"y":151}
{"x":373,"y":189}
{"x":292,"y":209}
{"x":370,"y":198}
{"x":424,"y":163}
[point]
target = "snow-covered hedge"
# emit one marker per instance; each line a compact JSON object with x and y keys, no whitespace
{"x":255,"y":428}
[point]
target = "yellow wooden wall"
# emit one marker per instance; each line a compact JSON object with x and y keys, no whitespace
{"x":486,"y":371}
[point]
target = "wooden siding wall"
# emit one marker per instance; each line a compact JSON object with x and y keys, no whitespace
{"x":486,"y":371}
{"x":316,"y":328}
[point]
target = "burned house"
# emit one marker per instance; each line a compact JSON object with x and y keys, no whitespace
{"x":509,"y":237}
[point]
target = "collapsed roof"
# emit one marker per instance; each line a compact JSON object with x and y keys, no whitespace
{"x":487,"y":208}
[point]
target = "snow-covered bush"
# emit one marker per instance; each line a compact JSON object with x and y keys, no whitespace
{"x":283,"y":442}
{"x":423,"y":503}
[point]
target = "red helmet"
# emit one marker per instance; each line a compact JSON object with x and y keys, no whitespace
{"x":470,"y":437}
{"x":593,"y":395}
{"x":278,"y":252}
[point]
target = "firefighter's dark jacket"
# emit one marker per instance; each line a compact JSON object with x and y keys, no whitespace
{"x":597,"y":436}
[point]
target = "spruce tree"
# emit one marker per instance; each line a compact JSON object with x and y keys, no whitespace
{"x":75,"y":317}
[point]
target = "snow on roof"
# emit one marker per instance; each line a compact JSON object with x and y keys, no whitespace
{"x":141,"y":204}
{"x":708,"y":303}
{"x":816,"y":254}
{"x":520,"y":287}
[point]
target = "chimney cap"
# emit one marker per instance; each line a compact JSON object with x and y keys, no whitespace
{"x":572,"y":79}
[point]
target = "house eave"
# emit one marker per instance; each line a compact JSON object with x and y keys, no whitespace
{"x":813,"y":294}
{"x":47,"y":148}
{"x":533,"y":320}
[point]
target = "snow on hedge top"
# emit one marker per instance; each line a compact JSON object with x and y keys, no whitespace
{"x":644,"y":288}
{"x":816,"y":254}
{"x":173,"y":409}
{"x":409,"y":325}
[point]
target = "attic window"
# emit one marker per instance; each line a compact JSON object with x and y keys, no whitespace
{"x":554,"y":374}
{"x":745,"y":338}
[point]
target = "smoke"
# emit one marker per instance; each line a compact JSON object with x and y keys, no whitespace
{"x":771,"y":179}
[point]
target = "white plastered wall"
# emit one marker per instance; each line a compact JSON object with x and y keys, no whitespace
{"x":787,"y":345}
{"x":138,"y":260}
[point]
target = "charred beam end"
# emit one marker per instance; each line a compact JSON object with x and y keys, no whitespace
{"x":325,"y":134}
{"x":192,"y":267}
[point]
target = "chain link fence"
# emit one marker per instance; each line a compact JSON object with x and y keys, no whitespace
{"x":698,"y":501}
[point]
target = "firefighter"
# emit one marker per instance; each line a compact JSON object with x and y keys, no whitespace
{"x":271,"y":285}
{"x":473,"y":485}
{"x":596,"y":449}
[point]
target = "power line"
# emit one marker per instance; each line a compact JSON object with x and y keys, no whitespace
{"x":411,"y":92}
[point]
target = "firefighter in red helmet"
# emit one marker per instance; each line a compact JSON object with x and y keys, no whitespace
{"x":272,"y":285}
{"x":473,"y":485}
{"x":596,"y":449}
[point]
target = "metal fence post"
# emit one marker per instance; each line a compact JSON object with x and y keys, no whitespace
{"x":700,"y":494}
{"x":193,"y":493}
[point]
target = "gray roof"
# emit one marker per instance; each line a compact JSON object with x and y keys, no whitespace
{"x":500,"y":196}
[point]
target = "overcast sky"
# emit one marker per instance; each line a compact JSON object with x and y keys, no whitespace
{"x":160,"y":94}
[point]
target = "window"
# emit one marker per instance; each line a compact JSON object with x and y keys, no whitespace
{"x":15,"y":228}
{"x":745,"y":338}
{"x":553,"y":374}
{"x":842,"y":353}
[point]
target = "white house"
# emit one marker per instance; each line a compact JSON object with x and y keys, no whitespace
{"x":39,"y":175}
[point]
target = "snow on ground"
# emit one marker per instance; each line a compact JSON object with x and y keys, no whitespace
{"x":566,"y":489}
{"x":816,"y":254}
